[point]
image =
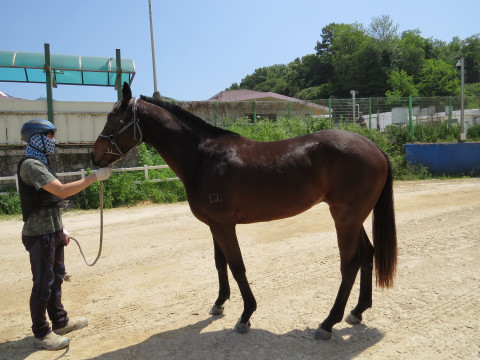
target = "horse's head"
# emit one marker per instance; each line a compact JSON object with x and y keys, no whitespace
{"x":121,"y":132}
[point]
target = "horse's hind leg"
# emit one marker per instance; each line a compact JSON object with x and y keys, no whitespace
{"x":226,"y":239}
{"x":224,"y":286}
{"x":365,"y":251}
{"x":348,"y":237}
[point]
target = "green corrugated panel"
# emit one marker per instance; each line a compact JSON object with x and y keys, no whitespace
{"x":67,"y":69}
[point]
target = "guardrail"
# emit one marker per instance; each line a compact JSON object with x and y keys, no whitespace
{"x":82,"y":173}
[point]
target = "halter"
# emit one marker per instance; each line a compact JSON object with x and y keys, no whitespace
{"x":135,"y":122}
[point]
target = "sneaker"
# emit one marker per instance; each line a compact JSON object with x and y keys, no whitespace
{"x":73,"y":324}
{"x":52,"y":342}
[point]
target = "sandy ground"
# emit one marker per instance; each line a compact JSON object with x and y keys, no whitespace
{"x":149,"y":295}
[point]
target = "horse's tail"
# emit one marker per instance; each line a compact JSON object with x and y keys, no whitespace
{"x":385,"y":234}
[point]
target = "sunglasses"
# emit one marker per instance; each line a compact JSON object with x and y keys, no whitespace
{"x":50,"y":133}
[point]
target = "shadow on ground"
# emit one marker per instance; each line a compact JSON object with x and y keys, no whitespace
{"x":196,"y":342}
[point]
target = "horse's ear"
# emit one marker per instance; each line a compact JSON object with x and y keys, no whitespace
{"x":126,"y":92}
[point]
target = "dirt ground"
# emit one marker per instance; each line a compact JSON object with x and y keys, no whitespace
{"x":149,"y":295}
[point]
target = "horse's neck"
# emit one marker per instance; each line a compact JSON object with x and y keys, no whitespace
{"x":175,"y":143}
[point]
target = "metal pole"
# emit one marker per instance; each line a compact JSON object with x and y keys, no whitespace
{"x":369,"y":112}
{"x":410,"y":119}
{"x":463,"y":136}
{"x":330,"y":109}
{"x":48,"y":72}
{"x":450,"y":112}
{"x":352,"y":92}
{"x":156,"y":94}
{"x":118,"y":83}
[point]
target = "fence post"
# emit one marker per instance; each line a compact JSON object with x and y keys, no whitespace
{"x":410,"y":121}
{"x":16,"y":183}
{"x":215,"y":113}
{"x":330,"y":109}
{"x":146,"y":171}
{"x":254,"y":111}
{"x":450,"y":112}
{"x":370,"y":112}
{"x":82,"y":173}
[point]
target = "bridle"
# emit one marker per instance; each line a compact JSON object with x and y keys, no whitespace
{"x":135,"y":122}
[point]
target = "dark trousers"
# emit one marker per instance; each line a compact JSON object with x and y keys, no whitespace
{"x":48,"y":270}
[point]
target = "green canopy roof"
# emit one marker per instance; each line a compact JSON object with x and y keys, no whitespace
{"x":16,"y":66}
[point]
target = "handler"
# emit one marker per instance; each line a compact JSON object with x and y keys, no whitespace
{"x":41,"y":197}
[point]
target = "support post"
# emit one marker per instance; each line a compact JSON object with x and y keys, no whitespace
{"x":48,"y":73}
{"x":330,"y":109}
{"x":118,"y":82}
{"x":410,"y":120}
{"x":450,"y":112}
{"x":369,"y":112}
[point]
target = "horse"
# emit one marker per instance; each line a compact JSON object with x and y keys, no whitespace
{"x":230,"y":180}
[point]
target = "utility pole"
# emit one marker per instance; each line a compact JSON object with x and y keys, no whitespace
{"x":156,"y":94}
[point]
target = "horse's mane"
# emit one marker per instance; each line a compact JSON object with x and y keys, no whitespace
{"x":189,"y":118}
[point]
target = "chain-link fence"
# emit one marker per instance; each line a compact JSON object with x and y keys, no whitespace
{"x":376,"y":113}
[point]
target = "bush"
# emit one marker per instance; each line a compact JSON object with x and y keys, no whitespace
{"x":10,"y":203}
{"x":473,"y":133}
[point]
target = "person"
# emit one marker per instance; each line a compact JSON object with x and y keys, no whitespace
{"x":41,"y":197}
{"x":361,"y":120}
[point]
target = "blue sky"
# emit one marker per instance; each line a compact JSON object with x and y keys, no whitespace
{"x":202,"y":47}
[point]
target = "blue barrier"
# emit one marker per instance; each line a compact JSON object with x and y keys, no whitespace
{"x":445,"y":158}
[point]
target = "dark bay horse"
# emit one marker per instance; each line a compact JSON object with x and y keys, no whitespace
{"x":232,"y":180}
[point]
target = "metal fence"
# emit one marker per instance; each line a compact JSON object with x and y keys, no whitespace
{"x":377,"y":112}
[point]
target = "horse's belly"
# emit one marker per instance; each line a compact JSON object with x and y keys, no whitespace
{"x":282,"y":206}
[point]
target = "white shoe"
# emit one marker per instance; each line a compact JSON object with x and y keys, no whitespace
{"x":52,"y":342}
{"x":73,"y":324}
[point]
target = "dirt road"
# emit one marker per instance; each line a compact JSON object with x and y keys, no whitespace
{"x":149,"y":295}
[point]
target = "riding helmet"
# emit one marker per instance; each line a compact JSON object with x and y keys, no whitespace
{"x":36,"y":126}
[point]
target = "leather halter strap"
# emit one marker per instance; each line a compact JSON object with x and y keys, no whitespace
{"x":135,"y":122}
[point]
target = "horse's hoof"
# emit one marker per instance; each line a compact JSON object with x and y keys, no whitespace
{"x":322,"y":334}
{"x":242,"y":328}
{"x":352,"y":319}
{"x":216,"y":310}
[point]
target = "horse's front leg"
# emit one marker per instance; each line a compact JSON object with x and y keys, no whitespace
{"x":225,"y":237}
{"x":224,"y":286}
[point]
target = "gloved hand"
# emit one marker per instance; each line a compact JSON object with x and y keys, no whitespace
{"x":103,"y":173}
{"x":67,"y":238}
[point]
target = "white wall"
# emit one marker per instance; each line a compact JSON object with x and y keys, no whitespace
{"x":77,"y":122}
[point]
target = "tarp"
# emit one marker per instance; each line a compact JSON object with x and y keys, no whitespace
{"x":16,"y":66}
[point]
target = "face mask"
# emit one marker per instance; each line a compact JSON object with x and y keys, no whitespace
{"x":49,"y":144}
{"x":42,"y":143}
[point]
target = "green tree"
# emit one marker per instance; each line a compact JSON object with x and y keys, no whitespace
{"x":357,"y":62}
{"x":438,"y":78}
{"x":471,"y":53}
{"x":383,"y":31}
{"x":409,"y":53}
{"x":401,"y":84}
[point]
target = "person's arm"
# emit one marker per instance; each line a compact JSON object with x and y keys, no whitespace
{"x":65,"y":190}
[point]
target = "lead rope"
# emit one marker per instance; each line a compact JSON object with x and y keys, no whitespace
{"x":101,"y":231}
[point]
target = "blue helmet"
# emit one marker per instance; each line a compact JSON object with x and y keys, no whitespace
{"x":36,"y":126}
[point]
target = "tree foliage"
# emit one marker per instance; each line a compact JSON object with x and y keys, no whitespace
{"x":374,"y":61}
